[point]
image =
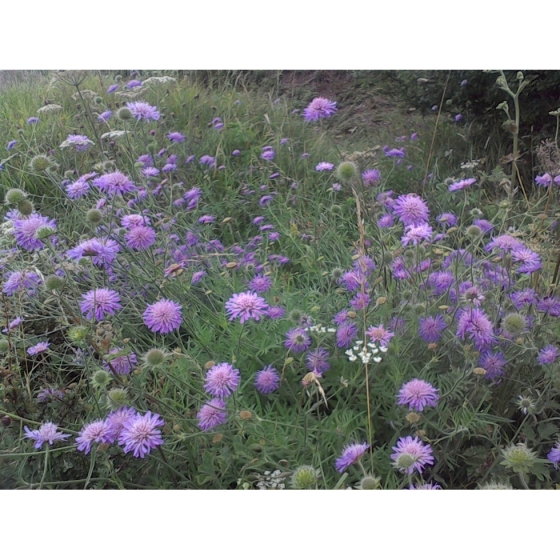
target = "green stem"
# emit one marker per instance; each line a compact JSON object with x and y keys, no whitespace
{"x":523,"y":481}
{"x":45,"y":468}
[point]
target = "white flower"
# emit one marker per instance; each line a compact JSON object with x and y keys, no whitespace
{"x":50,"y":108}
{"x":114,"y":134}
{"x":159,"y":80}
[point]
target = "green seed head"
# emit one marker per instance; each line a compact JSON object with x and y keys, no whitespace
{"x":124,"y":114}
{"x":40,"y":163}
{"x":15,"y":196}
{"x":337,"y":273}
{"x":347,"y":171}
{"x":474,"y":231}
{"x":494,"y":485}
{"x":405,"y":461}
{"x":25,"y":207}
{"x":44,"y":232}
{"x":117,"y":398}
{"x":369,"y":483}
{"x":154,"y":357}
{"x":94,"y":216}
{"x":4,"y":345}
{"x":100,"y":379}
{"x":518,"y":458}
{"x":515,"y":324}
{"x":77,"y":334}
{"x":295,"y":315}
{"x":305,"y":478}
{"x":54,"y":282}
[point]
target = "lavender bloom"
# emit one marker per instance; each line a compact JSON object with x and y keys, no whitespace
{"x":430,"y":328}
{"x":484,"y":225}
{"x":393,"y":153}
{"x":458,"y":117}
{"x":105,"y":116}
{"x":133,"y":220}
{"x":122,"y":364}
{"x":493,"y":363}
{"x":505,"y":243}
{"x":386,"y":221}
{"x":21,"y":281}
{"x":115,"y":183}
{"x":208,"y":160}
{"x":550,"y":305}
{"x":140,"y":237}
{"x":317,"y":360}
{"x":12,"y":325}
{"x":100,"y":303}
{"x":176,"y":137}
{"x":145,"y":159}
{"x":275,"y":313}
{"x":297,"y":340}
{"x":418,"y":394}
{"x":133,"y":84}
{"x":163,"y":316}
{"x":476,"y":324}
{"x":197,"y":277}
{"x":116,"y":421}
{"x":360,"y":301}
{"x":380,"y":335}
{"x":267,"y":380}
{"x":554,"y":455}
{"x":416,"y":234}
{"x":77,"y":189}
{"x":246,"y":305}
{"x":25,"y":231}
{"x":80,"y":142}
{"x":548,"y":355}
{"x":150,"y":171}
{"x":102,"y":251}
{"x":462,"y":184}
{"x":350,"y":454}
{"x":49,"y":394}
{"x":353,"y":280}
{"x":212,"y":414}
{"x":411,"y":210}
{"x":47,"y":433}
{"x":221,"y":380}
{"x":346,"y":334}
{"x":95,"y":432}
{"x":446,"y":219}
{"x":324,"y":166}
{"x":206,"y":219}
{"x":140,"y":434}
{"x":112,"y":88}
{"x":11,"y":145}
{"x":265,"y":200}
{"x":260,"y":284}
{"x":38,"y":348}
{"x":527,"y":296}
{"x":543,"y":180}
{"x":319,"y":108}
{"x":142,"y":111}
{"x":268,"y":154}
{"x":371,"y":177}
{"x":411,"y":454}
{"x":529,"y":260}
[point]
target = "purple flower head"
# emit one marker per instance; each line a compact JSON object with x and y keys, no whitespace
{"x":548,"y":355}
{"x":411,"y":210}
{"x":267,"y":380}
{"x":150,"y":171}
{"x":475,"y":324}
{"x":544,"y":180}
{"x":140,"y":237}
{"x":235,"y":153}
{"x":163,"y":316}
{"x":319,"y":108}
{"x":105,"y":116}
{"x":113,"y":88}
{"x":116,"y":421}
{"x":462,"y":184}
{"x":140,"y":434}
{"x":246,"y":305}
{"x":141,"y":111}
{"x":411,"y":455}
{"x":95,"y":432}
{"x":447,"y":220}
{"x":493,"y":363}
{"x":316,"y":360}
{"x":265,"y":200}
{"x":260,"y":284}
{"x":133,"y":84}
{"x":100,"y":303}
{"x":275,"y":312}
{"x":353,"y":280}
{"x":32,"y":120}
{"x":554,"y":455}
{"x":418,"y":394}
{"x":505,"y":243}
{"x":221,"y":380}
{"x":12,"y":325}
{"x":77,"y":189}
{"x":297,"y":340}
{"x":416,"y":234}
{"x":208,"y":160}
{"x":549,"y":305}
{"x":78,"y":141}
{"x":50,"y":394}
{"x":430,"y":328}
{"x":371,"y":177}
{"x":360,"y":301}
{"x":528,"y":296}
{"x":102,"y":251}
{"x":38,"y":348}
{"x":346,"y":334}
{"x":484,"y":225}
{"x":47,"y":433}
{"x":123,"y":363}
{"x":25,"y":231}
{"x":380,"y":335}
{"x":134,"y":220}
{"x":393,"y":153}
{"x":268,"y":154}
{"x":386,"y":221}
{"x":11,"y":145}
{"x":458,"y":117}
{"x":324,"y":166}
{"x":350,"y":454}
{"x":115,"y":183}
{"x":20,"y":282}
{"x":425,"y":486}
{"x":529,"y":260}
{"x":212,"y":414}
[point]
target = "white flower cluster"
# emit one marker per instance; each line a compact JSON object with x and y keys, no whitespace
{"x":272,"y":480}
{"x":320,"y":329}
{"x":159,"y":80}
{"x":366,"y":352}
{"x":114,"y":134}
{"x":51,"y":108}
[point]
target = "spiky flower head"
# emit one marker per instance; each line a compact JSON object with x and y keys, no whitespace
{"x":100,"y":379}
{"x":319,"y":108}
{"x":418,"y":394}
{"x":77,"y":334}
{"x":117,"y":398}
{"x":496,"y":485}
{"x":515,"y":323}
{"x":94,"y":216}
{"x":124,"y":114}
{"x":369,"y":482}
{"x":350,"y":454}
{"x":411,"y":454}
{"x":40,"y":163}
{"x":14,"y":196}
{"x":25,"y":207}
{"x":154,"y":357}
{"x":519,"y":458}
{"x":526,"y":404}
{"x":347,"y":171}
{"x":46,"y":433}
{"x":305,"y":478}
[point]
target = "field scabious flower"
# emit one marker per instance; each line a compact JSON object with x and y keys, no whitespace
{"x":245,"y":306}
{"x":430,"y":328}
{"x":212,"y":414}
{"x":140,"y":237}
{"x":493,"y":363}
{"x":346,"y":334}
{"x":21,"y":281}
{"x":418,"y":394}
{"x":549,"y":305}
{"x":350,"y":454}
{"x":371,"y":177}
{"x":544,"y":180}
{"x":411,"y":209}
{"x":380,"y":335}
{"x":319,"y":108}
{"x":447,"y":219}
{"x":99,"y":303}
{"x":46,"y":433}
{"x":142,"y":111}
{"x":324,"y":166}
{"x":460,"y":185}
{"x":121,"y":364}
{"x":95,"y":432}
{"x":415,"y":234}
{"x":267,"y":380}
{"x":163,"y":316}
{"x":297,"y":340}
{"x":554,"y":455}
{"x":411,"y":454}
{"x":317,"y":360}
{"x":476,"y":324}
{"x":78,"y":141}
{"x":529,"y":260}
{"x":221,"y":380}
{"x":140,"y":434}
{"x":38,"y":348}
{"x":260,"y":284}
{"x":25,"y":231}
{"x":548,"y":355}
{"x":116,"y":420}
{"x":115,"y":183}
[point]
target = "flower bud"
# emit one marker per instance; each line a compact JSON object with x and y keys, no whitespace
{"x":369,"y":483}
{"x":40,"y":163}
{"x":15,"y":196}
{"x":44,"y":232}
{"x":25,"y":207}
{"x":100,"y":379}
{"x":4,"y":345}
{"x":117,"y":398}
{"x":347,"y":171}
{"x":305,"y":478}
{"x":154,"y":357}
{"x":94,"y":216}
{"x":519,"y":458}
{"x":54,"y":282}
{"x":124,"y":114}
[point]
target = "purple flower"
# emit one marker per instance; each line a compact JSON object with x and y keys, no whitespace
{"x":113,"y":88}
{"x":99,"y":303}
{"x":140,"y":434}
{"x":25,"y":231}
{"x":548,"y":355}
{"x":115,"y":183}
{"x":103,"y":251}
{"x":371,"y":177}
{"x":208,"y":160}
{"x":11,"y":145}
{"x":297,"y":340}
{"x":411,"y":209}
{"x":350,"y":454}
{"x":493,"y":363}
{"x":206,"y":219}
{"x":554,"y":455}
{"x":163,"y":316}
{"x":105,"y":116}
{"x":267,"y":380}
{"x":50,"y":394}
{"x":411,"y":454}
{"x":394,"y":153}
{"x":143,"y":112}
{"x":176,"y":137}
{"x":95,"y":432}
{"x":80,"y":142}
{"x":458,"y":117}
{"x":47,"y":433}
{"x":415,"y":234}
{"x":324,"y":166}
{"x":418,"y":394}
{"x":116,"y":420}
{"x":319,"y":108}
{"x":38,"y":348}
{"x":222,"y":380}
{"x":275,"y":312}
{"x":265,"y":200}
{"x":77,"y":189}
{"x":505,"y":243}
{"x":462,"y":184}
{"x":544,"y":180}
{"x":246,"y":305}
{"x":386,"y":221}
{"x":484,"y":225}
{"x":212,"y":414}
{"x":529,"y":260}
{"x":476,"y":324}
{"x":528,"y":296}
{"x":235,"y":153}
{"x":550,"y":305}
{"x":21,"y":281}
{"x":133,"y":220}
{"x":346,"y":334}
{"x":317,"y":360}
{"x":133,"y":84}
{"x":380,"y":335}
{"x":425,"y":486}
{"x":150,"y":171}
{"x":122,"y":364}
{"x":446,"y":219}
{"x":12,"y":325}
{"x":260,"y":284}
{"x":360,"y":301}
{"x":268,"y":154}
{"x":353,"y":280}
{"x":430,"y":328}
{"x":140,"y":237}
